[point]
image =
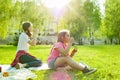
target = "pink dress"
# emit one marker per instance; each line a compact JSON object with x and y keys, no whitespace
{"x":54,"y":52}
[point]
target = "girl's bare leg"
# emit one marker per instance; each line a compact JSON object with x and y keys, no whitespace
{"x":67,"y":60}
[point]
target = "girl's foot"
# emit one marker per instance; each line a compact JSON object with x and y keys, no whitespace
{"x":19,"y":66}
{"x":88,"y":71}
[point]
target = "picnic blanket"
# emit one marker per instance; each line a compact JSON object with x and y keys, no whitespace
{"x":8,"y":67}
{"x":20,"y":74}
{"x":23,"y":74}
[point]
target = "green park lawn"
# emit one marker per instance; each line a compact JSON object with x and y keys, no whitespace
{"x":104,"y":57}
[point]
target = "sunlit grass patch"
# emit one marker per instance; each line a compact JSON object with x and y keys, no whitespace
{"x":104,"y":57}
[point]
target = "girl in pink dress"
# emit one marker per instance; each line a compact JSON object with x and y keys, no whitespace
{"x":60,"y":57}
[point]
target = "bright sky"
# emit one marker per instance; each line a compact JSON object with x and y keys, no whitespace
{"x":101,"y":3}
{"x":56,"y":3}
{"x":57,"y":7}
{"x":61,"y":3}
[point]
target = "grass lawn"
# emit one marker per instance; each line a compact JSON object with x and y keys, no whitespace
{"x":104,"y":57}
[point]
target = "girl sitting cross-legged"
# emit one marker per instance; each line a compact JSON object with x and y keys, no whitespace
{"x":60,"y":57}
{"x":26,"y":38}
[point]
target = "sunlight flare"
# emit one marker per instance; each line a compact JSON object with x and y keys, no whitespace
{"x":56,"y":3}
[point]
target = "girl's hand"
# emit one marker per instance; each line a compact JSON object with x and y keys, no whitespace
{"x":35,"y":32}
{"x":75,"y":48}
{"x":66,"y":54}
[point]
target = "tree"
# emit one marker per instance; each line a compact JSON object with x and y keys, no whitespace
{"x":75,"y":19}
{"x":112,"y":20}
{"x":14,"y":12}
{"x":5,"y":17}
{"x":93,"y":18}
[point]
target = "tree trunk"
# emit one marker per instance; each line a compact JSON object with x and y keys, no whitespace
{"x":111,"y":41}
{"x":119,"y":41}
{"x":80,"y":41}
{"x":92,"y":41}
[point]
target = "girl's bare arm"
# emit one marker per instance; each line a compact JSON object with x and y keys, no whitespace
{"x":66,"y":50}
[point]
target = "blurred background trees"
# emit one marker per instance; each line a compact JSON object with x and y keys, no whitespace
{"x":83,"y":18}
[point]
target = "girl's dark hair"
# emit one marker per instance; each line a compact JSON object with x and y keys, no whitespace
{"x":25,"y":27}
{"x":61,"y":35}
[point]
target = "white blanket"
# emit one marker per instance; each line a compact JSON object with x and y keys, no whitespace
{"x":19,"y":74}
{"x":43,"y":67}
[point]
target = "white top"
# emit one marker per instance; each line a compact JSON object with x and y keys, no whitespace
{"x":23,"y":42}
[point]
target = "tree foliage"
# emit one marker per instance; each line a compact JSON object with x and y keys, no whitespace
{"x":81,"y":17}
{"x":92,"y":16}
{"x":75,"y":18}
{"x":5,"y":17}
{"x":14,"y":12}
{"x":112,"y":20}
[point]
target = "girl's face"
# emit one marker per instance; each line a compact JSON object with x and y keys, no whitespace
{"x":67,"y":38}
{"x":30,"y":29}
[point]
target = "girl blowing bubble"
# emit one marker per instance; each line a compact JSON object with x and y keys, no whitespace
{"x":60,"y":57}
{"x":26,"y":38}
